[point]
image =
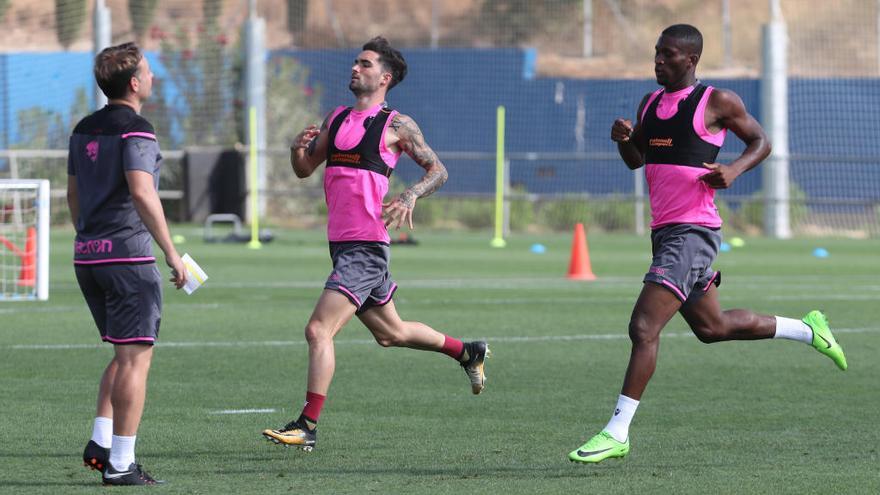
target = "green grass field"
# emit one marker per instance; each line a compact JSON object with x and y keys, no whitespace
{"x":745,"y":417}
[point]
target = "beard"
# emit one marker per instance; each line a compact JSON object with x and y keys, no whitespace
{"x":358,"y":89}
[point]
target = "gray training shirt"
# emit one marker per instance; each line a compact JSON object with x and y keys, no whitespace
{"x":104,"y":146}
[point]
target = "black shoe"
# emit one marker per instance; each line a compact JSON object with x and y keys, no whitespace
{"x":477,"y":353}
{"x":134,"y":475}
{"x":95,"y":457}
{"x":296,"y":434}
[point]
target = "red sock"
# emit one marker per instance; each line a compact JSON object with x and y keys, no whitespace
{"x":314,"y":403}
{"x":452,"y":347}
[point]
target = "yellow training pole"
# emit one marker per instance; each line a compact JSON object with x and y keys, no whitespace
{"x":252,"y":164}
{"x":499,"y":241}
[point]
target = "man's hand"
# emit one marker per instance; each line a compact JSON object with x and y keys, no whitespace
{"x":308,"y":150}
{"x":306,"y":137}
{"x":719,"y":176}
{"x":178,"y":270}
{"x":621,"y":130}
{"x":399,"y":212}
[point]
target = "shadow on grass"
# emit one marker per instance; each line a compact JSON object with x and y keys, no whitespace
{"x":438,"y":473}
{"x":58,"y":455}
{"x":230,"y":463}
{"x":36,"y":483}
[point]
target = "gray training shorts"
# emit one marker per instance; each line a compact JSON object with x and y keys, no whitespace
{"x":683,"y":256}
{"x":125,"y":301}
{"x":360,"y":273}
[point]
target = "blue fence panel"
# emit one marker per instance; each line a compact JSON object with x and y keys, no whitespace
{"x":453,"y":94}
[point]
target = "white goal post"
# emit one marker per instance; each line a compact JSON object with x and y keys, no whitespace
{"x":24,"y":239}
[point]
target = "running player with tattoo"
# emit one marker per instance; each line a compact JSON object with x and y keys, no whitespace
{"x":361,"y":145}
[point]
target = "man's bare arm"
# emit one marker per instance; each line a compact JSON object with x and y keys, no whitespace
{"x":149,"y":208}
{"x":629,"y":139}
{"x":731,"y":113}
{"x":412,"y":142}
{"x":309,"y":149}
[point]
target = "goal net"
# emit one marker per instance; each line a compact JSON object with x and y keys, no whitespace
{"x":24,"y":240}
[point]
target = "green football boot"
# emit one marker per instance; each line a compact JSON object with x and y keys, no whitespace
{"x":823,"y":340}
{"x":599,"y":448}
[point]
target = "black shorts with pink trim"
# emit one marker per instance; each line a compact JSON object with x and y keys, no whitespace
{"x":360,"y":273}
{"x":125,"y":300}
{"x":683,"y":256}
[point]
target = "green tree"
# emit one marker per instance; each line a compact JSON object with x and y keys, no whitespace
{"x":156,"y":111}
{"x":297,"y":10}
{"x":141,"y":13}
{"x":40,"y":128}
{"x":507,"y":20}
{"x":200,"y":69}
{"x":292,"y":105}
{"x":80,"y":108}
{"x":512,"y":22}
{"x":69,"y":17}
{"x":753,"y":209}
{"x":4,"y":4}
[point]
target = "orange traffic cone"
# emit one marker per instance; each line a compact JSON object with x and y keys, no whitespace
{"x":27,"y":277}
{"x":579,"y":268}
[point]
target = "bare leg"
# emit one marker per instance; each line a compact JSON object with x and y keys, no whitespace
{"x":653,"y":310}
{"x":129,"y":387}
{"x":331,"y":313}
{"x":104,"y":407}
{"x":710,"y":324}
{"x":390,"y":331}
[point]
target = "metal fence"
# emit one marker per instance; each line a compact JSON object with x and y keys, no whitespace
{"x":538,"y":57}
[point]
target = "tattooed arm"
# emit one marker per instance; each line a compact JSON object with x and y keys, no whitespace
{"x":409,"y":138}
{"x":309,"y":149}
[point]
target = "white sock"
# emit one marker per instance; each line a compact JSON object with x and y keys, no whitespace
{"x":618,"y":426}
{"x":102,"y":431}
{"x":789,"y":328}
{"x":122,"y":452}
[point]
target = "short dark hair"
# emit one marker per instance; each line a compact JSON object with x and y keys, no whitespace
{"x":391,"y":59}
{"x":114,"y":68}
{"x":688,"y":35}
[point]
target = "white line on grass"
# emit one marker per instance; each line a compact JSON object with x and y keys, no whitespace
{"x":84,"y":309}
{"x":290,"y":343}
{"x":244,"y":411}
{"x":626,"y":300}
{"x":742,"y":282}
{"x":734,"y":282}
{"x":726,"y":296}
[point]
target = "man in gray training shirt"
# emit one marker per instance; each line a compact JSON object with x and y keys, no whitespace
{"x":113,"y":177}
